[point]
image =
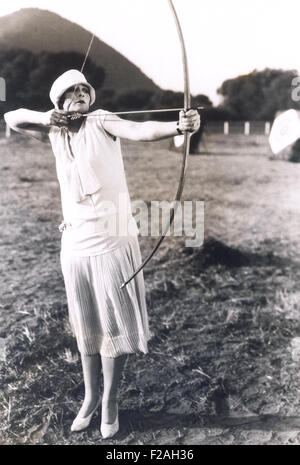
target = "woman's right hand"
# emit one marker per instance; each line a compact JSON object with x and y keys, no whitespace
{"x":56,"y":118}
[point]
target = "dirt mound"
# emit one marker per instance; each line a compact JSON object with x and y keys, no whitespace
{"x":215,"y":252}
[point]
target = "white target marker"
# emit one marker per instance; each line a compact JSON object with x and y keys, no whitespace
{"x":285,"y":130}
{"x":178,"y":141}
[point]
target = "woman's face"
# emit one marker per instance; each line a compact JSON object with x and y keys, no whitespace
{"x":77,"y":98}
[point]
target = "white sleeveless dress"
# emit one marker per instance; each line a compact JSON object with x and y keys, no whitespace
{"x":99,"y":248}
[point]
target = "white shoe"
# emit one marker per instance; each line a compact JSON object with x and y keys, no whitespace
{"x":81,"y":423}
{"x":108,"y":430}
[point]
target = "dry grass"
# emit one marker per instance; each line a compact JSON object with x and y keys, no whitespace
{"x":223,"y":362}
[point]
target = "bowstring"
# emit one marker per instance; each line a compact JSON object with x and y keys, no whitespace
{"x":87,"y":53}
{"x":85,"y":59}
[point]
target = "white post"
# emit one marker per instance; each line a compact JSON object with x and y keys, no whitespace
{"x":226,"y":128}
{"x":2,"y":90}
{"x":7,"y":131}
{"x":267,"y":128}
{"x":247,"y":128}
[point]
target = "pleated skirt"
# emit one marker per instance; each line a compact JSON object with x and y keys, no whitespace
{"x":105,"y":319}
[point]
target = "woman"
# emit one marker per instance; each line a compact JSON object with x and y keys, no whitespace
{"x":99,"y":241}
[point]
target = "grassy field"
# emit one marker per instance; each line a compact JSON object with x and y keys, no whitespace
{"x":223,"y":366}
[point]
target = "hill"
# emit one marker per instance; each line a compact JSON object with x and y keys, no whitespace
{"x":40,"y":30}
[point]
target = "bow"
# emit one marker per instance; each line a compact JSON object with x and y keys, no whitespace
{"x":186,"y":146}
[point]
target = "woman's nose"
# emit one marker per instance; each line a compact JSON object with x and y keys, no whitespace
{"x":79,"y":92}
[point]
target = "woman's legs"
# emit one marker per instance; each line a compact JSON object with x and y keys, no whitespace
{"x":91,"y":375}
{"x":112,"y":371}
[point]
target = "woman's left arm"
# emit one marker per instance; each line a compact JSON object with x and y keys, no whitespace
{"x":152,"y":130}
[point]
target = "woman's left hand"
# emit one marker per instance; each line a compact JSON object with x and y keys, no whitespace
{"x":189,"y":121}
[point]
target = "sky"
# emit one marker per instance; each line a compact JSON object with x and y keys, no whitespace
{"x":223,"y":39}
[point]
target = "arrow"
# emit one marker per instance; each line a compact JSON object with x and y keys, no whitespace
{"x":77,"y":115}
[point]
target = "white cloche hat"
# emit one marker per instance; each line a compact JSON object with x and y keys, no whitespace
{"x":69,"y":79}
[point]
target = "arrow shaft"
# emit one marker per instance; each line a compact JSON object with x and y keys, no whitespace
{"x":138,"y":112}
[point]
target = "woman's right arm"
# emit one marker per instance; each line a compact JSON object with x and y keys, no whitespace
{"x":34,"y":123}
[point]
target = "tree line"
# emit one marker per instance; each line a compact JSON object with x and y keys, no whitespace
{"x":29,"y":77}
{"x":255,"y":96}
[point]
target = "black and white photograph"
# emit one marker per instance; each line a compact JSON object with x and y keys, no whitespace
{"x":150,"y":224}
